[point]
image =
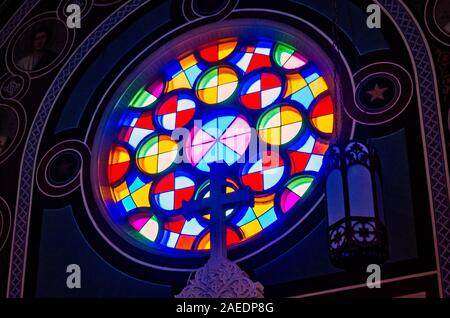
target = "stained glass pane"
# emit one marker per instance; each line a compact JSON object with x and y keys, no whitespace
{"x":295,"y":190}
{"x":264,"y":173}
{"x":146,"y":225}
{"x":251,"y":58}
{"x":258,"y":217}
{"x":175,"y":112}
{"x":182,"y":73}
{"x":279,"y":125}
{"x":260,"y":90}
{"x":118,"y":164}
{"x":157,"y":154}
{"x":132,"y":193}
{"x":147,"y":96}
{"x":287,"y":57}
{"x":217,"y":85}
{"x":170,"y":192}
{"x":218,"y":51}
{"x":322,"y":115}
{"x":307,"y":154}
{"x":223,"y":138}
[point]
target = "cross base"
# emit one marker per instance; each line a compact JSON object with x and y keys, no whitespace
{"x":221,"y":278}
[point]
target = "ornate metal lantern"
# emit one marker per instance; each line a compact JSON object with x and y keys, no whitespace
{"x":356,"y":231}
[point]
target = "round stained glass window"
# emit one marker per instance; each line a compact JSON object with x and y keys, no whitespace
{"x":258,"y":105}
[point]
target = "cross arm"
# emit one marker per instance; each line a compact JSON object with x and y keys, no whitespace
{"x":191,"y":208}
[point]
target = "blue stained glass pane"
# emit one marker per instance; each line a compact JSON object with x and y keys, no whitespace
{"x":310,"y":73}
{"x":137,"y":135}
{"x":249,"y":82}
{"x":248,"y":217}
{"x":136,"y":185}
{"x":272,"y":176}
{"x":192,"y":227}
{"x":203,"y":165}
{"x":257,"y":166}
{"x":172,"y":69}
{"x":308,"y":146}
{"x":182,"y":182}
{"x":267,"y":218}
{"x":303,"y":96}
{"x":211,"y":155}
{"x":265,"y":44}
{"x":130,"y":118}
{"x":312,"y":78}
{"x":192,"y":73}
{"x":165,"y":237}
{"x":128,"y":204}
{"x":224,"y":122}
{"x":211,"y":128}
{"x":226,"y":154}
{"x":165,"y":200}
{"x":314,"y":163}
{"x":172,"y":240}
{"x":234,"y":59}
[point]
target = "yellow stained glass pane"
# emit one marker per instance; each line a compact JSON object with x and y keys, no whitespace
{"x":271,"y":136}
{"x":229,"y":190}
{"x":149,"y":164}
{"x":179,"y":81}
{"x":226,"y":76}
{"x":123,"y":157}
{"x":118,"y":155}
{"x":166,"y":145}
{"x":252,"y":228}
{"x":208,"y":95}
{"x":318,"y":86}
{"x":262,"y":207}
{"x":205,"y":243}
{"x":226,"y":48}
{"x":141,"y":196}
{"x":289,"y":116}
{"x":295,"y":82}
{"x":121,"y":191}
{"x":324,"y":123}
{"x":188,"y":61}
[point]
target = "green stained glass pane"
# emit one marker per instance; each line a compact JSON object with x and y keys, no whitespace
{"x":282,"y":53}
{"x":142,"y":99}
{"x":300,"y":185}
{"x":144,"y":150}
{"x":268,"y":115}
{"x":208,"y":78}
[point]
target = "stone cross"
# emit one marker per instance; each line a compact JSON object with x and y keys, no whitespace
{"x":216,"y":205}
{"x":219,"y":277}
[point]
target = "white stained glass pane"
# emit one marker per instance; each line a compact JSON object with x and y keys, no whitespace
{"x":335,"y":197}
{"x":360,"y":191}
{"x":379,"y":198}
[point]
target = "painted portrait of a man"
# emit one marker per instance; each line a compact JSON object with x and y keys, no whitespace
{"x":39,"y":54}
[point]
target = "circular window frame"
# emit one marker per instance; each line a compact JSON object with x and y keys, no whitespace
{"x":146,"y":71}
